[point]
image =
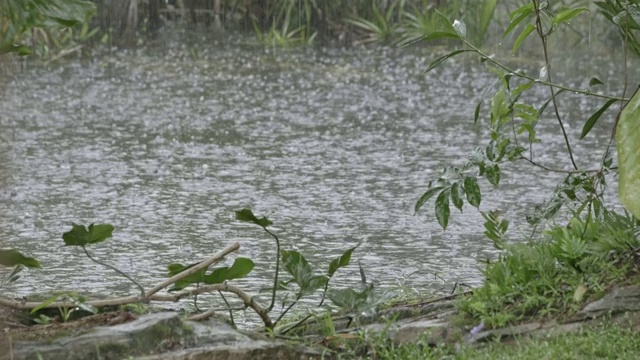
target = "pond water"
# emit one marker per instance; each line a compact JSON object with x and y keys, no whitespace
{"x":333,"y":145}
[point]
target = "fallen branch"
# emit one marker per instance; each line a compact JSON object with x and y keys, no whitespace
{"x":192,"y":270}
{"x":246,"y":298}
{"x":202,"y":316}
{"x":28,"y":305}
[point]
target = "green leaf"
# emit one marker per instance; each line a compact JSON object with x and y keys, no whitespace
{"x":628,"y":145}
{"x":595,"y":117}
{"x":247,"y":216}
{"x":472,"y":190}
{"x":46,"y":303}
{"x":341,"y":261}
{"x":476,"y":113}
{"x":493,"y":174}
{"x":296,"y":265}
{"x":517,"y":17}
{"x":568,"y":15}
{"x":442,"y":208}
{"x":594,"y":81}
{"x":194,"y":278}
{"x":457,"y":194}
{"x":446,"y":23}
{"x":426,"y":196}
{"x":79,"y":235}
{"x":527,"y":30}
{"x":521,"y":88}
{"x":437,"y":62}
{"x":441,"y":35}
{"x":12,"y":257}
{"x":239,"y":269}
{"x":349,"y":299}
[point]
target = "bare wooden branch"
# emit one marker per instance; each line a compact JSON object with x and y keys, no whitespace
{"x":203,"y":265}
{"x":246,"y":298}
{"x":202,"y":316}
{"x":28,"y":305}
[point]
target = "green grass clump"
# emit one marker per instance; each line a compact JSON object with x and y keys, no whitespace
{"x":557,"y":275}
{"x":606,"y":342}
{"x":609,"y":342}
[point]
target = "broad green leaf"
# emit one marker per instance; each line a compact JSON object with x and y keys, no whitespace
{"x":341,"y":261}
{"x":348,"y":299}
{"x":426,"y":196}
{"x":296,"y":265}
{"x":594,"y":81}
{"x":457,"y":195}
{"x":442,"y":208}
{"x":239,"y":269}
{"x":79,"y":235}
{"x":628,"y":145}
{"x":472,"y":190}
{"x":435,"y":63}
{"x":568,"y":15}
{"x":527,"y":30}
{"x":517,"y":17}
{"x":314,"y":283}
{"x":247,"y":215}
{"x":195,"y":278}
{"x":13,"y":257}
{"x":595,"y":117}
{"x":493,"y":174}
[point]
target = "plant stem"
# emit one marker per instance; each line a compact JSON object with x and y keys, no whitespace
{"x":543,"y":39}
{"x":287,"y":309}
{"x":522,"y":75}
{"x":562,"y":170}
{"x":275,"y":278}
{"x":233,"y":323}
{"x":114,"y":269}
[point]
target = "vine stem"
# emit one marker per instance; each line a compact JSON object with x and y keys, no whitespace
{"x":562,"y":170}
{"x":275,"y":278}
{"x":522,"y":75}
{"x":543,"y":39}
{"x":114,"y":269}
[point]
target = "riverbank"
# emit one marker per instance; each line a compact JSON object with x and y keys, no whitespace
{"x":606,"y":328}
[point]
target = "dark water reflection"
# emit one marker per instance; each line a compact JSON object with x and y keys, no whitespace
{"x":334,"y":145}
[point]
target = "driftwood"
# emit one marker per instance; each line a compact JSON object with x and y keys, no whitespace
{"x":151,"y":295}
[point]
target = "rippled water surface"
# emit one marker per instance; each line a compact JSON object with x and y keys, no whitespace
{"x":333,"y":145}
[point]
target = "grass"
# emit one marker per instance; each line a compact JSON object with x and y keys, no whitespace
{"x":557,"y":275}
{"x":605,"y":342}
